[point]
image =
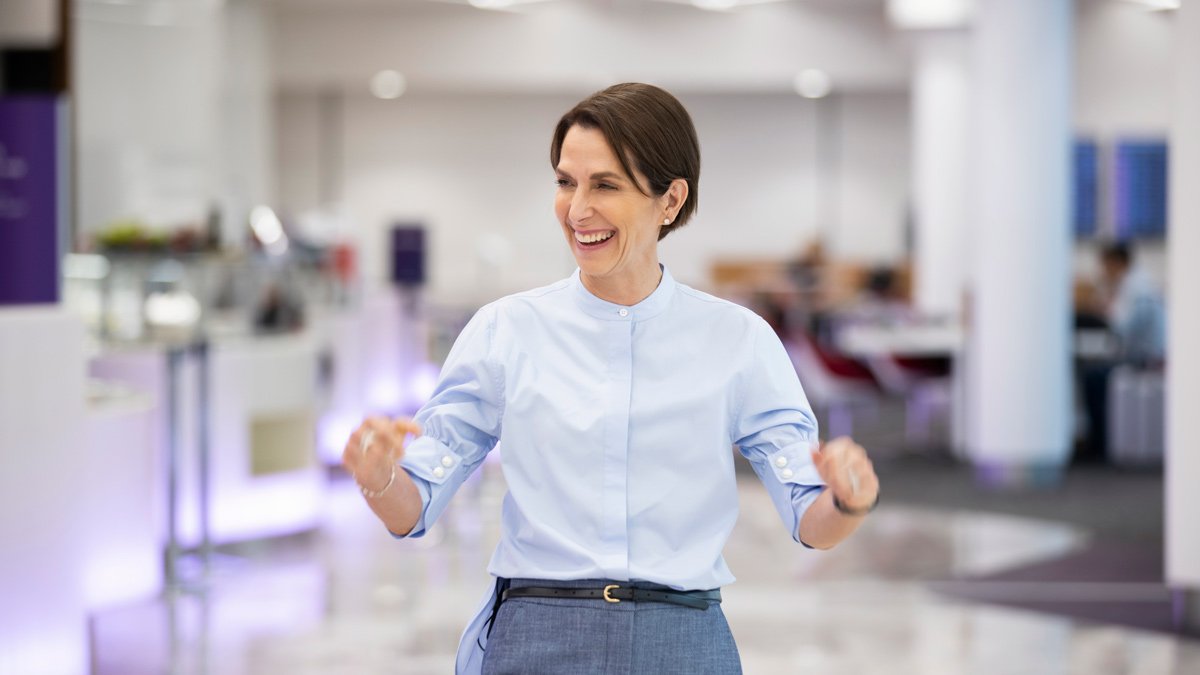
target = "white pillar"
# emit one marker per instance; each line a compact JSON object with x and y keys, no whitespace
{"x":1018,"y":393}
{"x":1183,"y":356}
{"x":941,"y":114}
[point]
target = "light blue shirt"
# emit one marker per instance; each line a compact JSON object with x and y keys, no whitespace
{"x":615,"y":426}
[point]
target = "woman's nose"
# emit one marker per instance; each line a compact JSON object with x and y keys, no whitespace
{"x":581,"y":206}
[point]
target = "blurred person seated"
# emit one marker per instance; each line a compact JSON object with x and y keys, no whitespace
{"x":1130,"y":306}
{"x":1134,"y":309}
{"x":1090,"y":312}
{"x":882,"y":299}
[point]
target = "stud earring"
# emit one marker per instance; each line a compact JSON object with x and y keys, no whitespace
{"x":666,"y":221}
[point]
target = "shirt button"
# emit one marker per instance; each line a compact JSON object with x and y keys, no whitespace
{"x":786,"y":473}
{"x":623,"y":312}
{"x":447,"y":461}
{"x":781,"y":461}
{"x":439,"y":471}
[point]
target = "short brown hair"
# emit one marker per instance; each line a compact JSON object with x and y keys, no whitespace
{"x":649,"y":126}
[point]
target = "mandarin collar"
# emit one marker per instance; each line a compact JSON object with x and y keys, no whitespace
{"x":609,"y":311}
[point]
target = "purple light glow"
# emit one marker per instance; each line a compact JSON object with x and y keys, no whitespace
{"x":264,"y":506}
{"x":422,"y":382}
{"x":333,"y":430}
{"x":115,"y":576}
{"x":384,"y":393}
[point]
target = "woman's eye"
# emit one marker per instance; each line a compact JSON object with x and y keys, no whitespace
{"x":562,"y":182}
{"x":606,"y":186}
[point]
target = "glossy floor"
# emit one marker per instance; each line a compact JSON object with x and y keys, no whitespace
{"x":350,"y":599}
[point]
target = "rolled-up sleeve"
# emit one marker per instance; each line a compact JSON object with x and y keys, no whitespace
{"x":461,"y":421}
{"x":774,"y":427}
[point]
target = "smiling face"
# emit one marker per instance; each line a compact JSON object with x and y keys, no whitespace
{"x":610,"y":225}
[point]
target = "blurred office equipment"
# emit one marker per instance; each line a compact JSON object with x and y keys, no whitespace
{"x":1084,"y":193}
{"x":408,"y":255}
{"x":1140,"y":188}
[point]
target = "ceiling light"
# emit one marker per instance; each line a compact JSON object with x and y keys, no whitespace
{"x":715,"y":5}
{"x":930,"y":14}
{"x":1157,"y":5}
{"x":388,"y":84}
{"x":813,"y":83}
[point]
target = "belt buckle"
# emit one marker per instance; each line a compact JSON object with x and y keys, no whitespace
{"x":607,"y":590}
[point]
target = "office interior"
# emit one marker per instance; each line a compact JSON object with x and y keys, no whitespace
{"x":230,"y":229}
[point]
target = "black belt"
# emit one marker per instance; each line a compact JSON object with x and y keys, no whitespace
{"x":616,"y":593}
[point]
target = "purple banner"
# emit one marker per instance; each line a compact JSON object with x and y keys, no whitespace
{"x":29,"y":200}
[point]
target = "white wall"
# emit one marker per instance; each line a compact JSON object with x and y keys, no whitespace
{"x":1124,"y":69}
{"x":146,"y":117}
{"x":1183,"y":428}
{"x":474,"y":166}
{"x":1124,"y":73}
{"x":873,"y":193}
{"x":172,"y":112}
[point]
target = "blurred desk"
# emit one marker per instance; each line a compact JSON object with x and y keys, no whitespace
{"x":907,"y":340}
{"x":1096,"y":344}
{"x":265,"y":479}
{"x":914,"y":360}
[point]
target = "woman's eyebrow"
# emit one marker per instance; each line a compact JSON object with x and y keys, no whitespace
{"x":599,"y":175}
{"x":607,"y":175}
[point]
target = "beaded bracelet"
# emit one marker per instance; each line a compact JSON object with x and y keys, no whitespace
{"x":375,"y":494}
{"x":845,"y":510}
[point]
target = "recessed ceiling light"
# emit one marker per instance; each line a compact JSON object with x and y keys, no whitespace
{"x":491,"y":4}
{"x":813,"y":83}
{"x":715,"y":5}
{"x":388,"y":84}
{"x":930,"y":14}
{"x":1157,"y":5}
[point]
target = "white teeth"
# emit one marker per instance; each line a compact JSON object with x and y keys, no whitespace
{"x":592,"y":238}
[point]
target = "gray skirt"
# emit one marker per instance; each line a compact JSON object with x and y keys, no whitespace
{"x":589,"y":637}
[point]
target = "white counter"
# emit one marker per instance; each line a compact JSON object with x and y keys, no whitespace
{"x":42,"y":491}
{"x":265,"y":475}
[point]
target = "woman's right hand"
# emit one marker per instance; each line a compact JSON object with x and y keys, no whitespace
{"x":374,"y":448}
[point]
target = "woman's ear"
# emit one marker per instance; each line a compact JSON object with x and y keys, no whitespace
{"x":676,"y":196}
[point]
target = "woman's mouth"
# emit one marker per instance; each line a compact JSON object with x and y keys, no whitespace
{"x":595,"y":239}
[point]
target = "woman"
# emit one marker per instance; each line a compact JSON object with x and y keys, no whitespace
{"x":617,"y":394}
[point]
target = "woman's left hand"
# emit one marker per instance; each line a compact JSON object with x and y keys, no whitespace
{"x":846,"y":469}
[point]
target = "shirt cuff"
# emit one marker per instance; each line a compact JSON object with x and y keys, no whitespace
{"x":431,"y":460}
{"x":430,"y":464}
{"x":793,"y":465}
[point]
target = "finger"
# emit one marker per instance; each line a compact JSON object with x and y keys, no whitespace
{"x":818,"y":460}
{"x":402,"y":429}
{"x":816,"y":450}
{"x":386,"y":434}
{"x":406,"y":426}
{"x":354,"y":443}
